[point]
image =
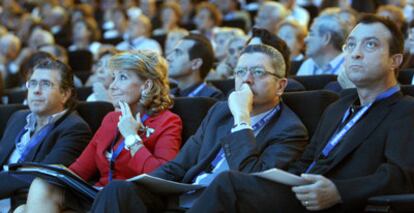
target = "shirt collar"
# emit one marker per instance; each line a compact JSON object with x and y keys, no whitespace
{"x":336,"y":62}
{"x":31,"y":120}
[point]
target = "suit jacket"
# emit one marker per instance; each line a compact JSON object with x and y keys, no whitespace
{"x":279,"y":142}
{"x":207,"y":91}
{"x":62,"y":145}
{"x":162,"y":146}
{"x":374,"y":157}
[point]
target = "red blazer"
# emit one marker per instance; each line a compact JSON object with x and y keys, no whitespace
{"x":162,"y":146}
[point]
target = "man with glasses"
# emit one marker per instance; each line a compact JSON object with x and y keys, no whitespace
{"x":361,"y":148}
{"x":49,"y":132}
{"x":252,"y":132}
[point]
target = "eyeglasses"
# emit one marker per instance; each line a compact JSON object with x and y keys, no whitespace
{"x":43,"y":84}
{"x":257,"y":72}
{"x":369,"y":45}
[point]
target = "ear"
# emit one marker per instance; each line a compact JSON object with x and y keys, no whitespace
{"x":66,"y":94}
{"x":327,"y":38}
{"x":282,"y":83}
{"x":148,"y":85}
{"x":196,"y":63}
{"x":396,"y":61}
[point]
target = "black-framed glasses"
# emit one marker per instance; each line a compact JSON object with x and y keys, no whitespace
{"x":257,"y":72}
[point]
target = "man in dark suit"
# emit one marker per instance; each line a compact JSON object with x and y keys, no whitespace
{"x":50,"y":132}
{"x":252,"y":132}
{"x":188,"y":64}
{"x":361,"y":148}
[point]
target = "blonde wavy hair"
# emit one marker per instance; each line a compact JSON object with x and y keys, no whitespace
{"x":147,"y":65}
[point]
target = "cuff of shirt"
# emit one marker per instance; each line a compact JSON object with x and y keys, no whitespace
{"x":240,"y":126}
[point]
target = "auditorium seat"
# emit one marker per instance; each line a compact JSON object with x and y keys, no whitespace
{"x":294,"y":86}
{"x":15,"y":96}
{"x":309,"y":105}
{"x":83,"y":93}
{"x":5,"y":112}
{"x":192,"y":111}
{"x":94,"y":112}
{"x":315,"y":82}
{"x":80,"y":60}
{"x":225,"y":86}
{"x":391,"y":203}
{"x":405,"y":76}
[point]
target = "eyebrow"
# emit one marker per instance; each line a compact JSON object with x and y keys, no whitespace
{"x":364,"y":39}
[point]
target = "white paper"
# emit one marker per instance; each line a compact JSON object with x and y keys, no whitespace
{"x":162,"y":186}
{"x":280,"y":176}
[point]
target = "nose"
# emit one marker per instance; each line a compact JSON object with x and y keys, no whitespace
{"x":356,"y":53}
{"x":248,"y":78}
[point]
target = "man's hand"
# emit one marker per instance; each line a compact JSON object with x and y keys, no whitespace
{"x":128,"y":125}
{"x":320,"y":194}
{"x":241,"y":104}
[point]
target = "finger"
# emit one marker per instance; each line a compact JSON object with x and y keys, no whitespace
{"x":304,"y":197}
{"x":128,"y":110}
{"x":138,"y":117}
{"x":312,"y":177}
{"x":121,"y":108}
{"x":303,"y":189}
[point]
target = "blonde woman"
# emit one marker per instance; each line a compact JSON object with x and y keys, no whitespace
{"x":137,"y":138}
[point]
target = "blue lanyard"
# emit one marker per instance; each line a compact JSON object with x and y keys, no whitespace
{"x":336,"y":138}
{"x":117,"y":152}
{"x":255,"y":127}
{"x":333,"y":71}
{"x":197,"y":90}
{"x":35,"y":140}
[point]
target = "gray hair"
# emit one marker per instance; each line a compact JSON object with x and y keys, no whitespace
{"x":332,"y":24}
{"x":276,"y":57}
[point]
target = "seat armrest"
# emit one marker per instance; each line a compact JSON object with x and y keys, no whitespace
{"x":391,"y":203}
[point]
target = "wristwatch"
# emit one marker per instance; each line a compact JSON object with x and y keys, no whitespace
{"x":131,"y":140}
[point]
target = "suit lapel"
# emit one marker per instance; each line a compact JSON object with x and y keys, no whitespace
{"x":32,"y":156}
{"x":365,"y":127}
{"x":9,"y":138}
{"x":222,"y":130}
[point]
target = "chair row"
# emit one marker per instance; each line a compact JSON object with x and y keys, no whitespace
{"x":93,"y":112}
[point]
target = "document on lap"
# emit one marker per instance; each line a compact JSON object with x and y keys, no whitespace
{"x":280,"y":176}
{"x":162,"y":186}
{"x":54,"y":174}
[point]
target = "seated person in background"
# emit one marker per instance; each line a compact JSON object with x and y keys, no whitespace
{"x":207,"y":17}
{"x":61,"y":54}
{"x":137,"y":36}
{"x":50,"y":131}
{"x":102,"y":78}
{"x":221,"y":36}
{"x":170,"y":18}
{"x":361,"y":148}
{"x":189,"y":63}
{"x":294,"y":35}
{"x":225,"y":69}
{"x":252,"y":132}
{"x":172,"y":38}
{"x":10,"y":46}
{"x":324,"y":46}
{"x":136,"y":140}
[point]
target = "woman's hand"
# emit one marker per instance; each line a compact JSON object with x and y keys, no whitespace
{"x":128,"y":125}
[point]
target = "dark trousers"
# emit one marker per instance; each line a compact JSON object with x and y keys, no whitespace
{"x":237,"y":192}
{"x":123,"y":196}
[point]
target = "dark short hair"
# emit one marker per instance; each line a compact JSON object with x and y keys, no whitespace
{"x":274,"y":41}
{"x":203,"y":49}
{"x":396,"y":41}
{"x":66,"y":77}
